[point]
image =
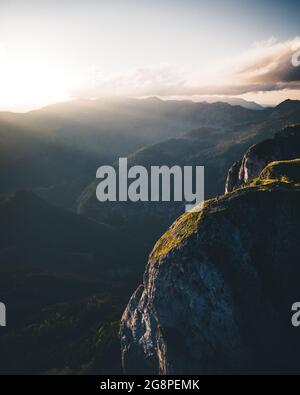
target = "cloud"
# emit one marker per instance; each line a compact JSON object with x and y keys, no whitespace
{"x":266,"y":67}
{"x":159,"y":79}
{"x":271,"y":63}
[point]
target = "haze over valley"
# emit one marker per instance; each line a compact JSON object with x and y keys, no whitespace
{"x":119,"y":287}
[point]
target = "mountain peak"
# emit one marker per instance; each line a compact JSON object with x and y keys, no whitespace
{"x":288,"y":104}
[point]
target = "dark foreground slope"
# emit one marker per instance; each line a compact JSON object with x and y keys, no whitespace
{"x":219,"y":287}
{"x":64,"y":284}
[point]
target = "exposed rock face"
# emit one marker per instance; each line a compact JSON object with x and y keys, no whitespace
{"x":233,"y":180}
{"x":285,"y":145}
{"x":219,"y":287}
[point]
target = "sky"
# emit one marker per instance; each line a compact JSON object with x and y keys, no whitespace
{"x":54,"y":50}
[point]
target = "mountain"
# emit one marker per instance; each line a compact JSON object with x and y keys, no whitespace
{"x":285,"y":145}
{"x":66,"y":277}
{"x":234,"y":101}
{"x":194,"y":148}
{"x":57,"y":149}
{"x":64,"y":285}
{"x":220,"y":284}
{"x":287,"y":107}
{"x":214,"y":147}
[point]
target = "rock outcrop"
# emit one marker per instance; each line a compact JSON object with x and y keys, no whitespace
{"x":285,"y":145}
{"x":286,"y":171}
{"x":219,"y":286}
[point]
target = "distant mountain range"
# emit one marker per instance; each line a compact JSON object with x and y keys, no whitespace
{"x":234,"y":101}
{"x":214,"y":147}
{"x":56,"y":150}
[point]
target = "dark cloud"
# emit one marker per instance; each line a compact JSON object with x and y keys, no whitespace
{"x":266,"y":67}
{"x":275,"y":67}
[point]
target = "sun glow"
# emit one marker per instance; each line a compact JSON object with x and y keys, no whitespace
{"x":52,"y":51}
{"x":30,"y":83}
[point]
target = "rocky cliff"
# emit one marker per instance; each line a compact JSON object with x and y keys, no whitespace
{"x":285,"y":145}
{"x":219,"y":286}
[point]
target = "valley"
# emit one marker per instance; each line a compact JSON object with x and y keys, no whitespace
{"x":69,"y":263}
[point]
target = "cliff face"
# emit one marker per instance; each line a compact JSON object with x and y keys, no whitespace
{"x":219,"y":286}
{"x":285,"y":145}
